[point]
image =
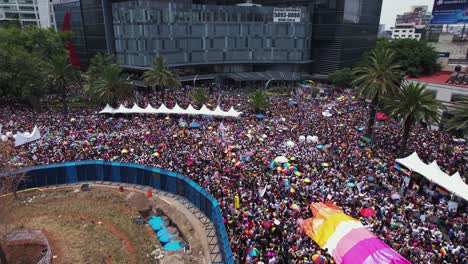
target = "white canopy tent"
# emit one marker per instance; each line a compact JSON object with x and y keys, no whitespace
{"x":23,"y":138}
{"x":177,"y":110}
{"x":433,"y":173}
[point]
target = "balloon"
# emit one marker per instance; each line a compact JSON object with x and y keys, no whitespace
{"x":309,"y":139}
{"x":302,"y":138}
{"x":9,"y":134}
{"x":314,"y":139}
{"x":290,"y":144}
{"x":4,"y":138}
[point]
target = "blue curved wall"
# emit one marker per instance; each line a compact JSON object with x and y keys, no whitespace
{"x":73,"y":172}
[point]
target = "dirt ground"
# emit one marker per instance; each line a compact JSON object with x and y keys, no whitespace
{"x":85,"y":227}
{"x":26,"y":253}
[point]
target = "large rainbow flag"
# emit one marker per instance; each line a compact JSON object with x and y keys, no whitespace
{"x":346,"y":239}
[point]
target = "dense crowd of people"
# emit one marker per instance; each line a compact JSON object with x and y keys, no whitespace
{"x":263,"y":201}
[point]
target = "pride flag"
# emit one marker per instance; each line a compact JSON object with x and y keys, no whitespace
{"x":441,"y":191}
{"x":346,"y":239}
{"x":405,"y":171}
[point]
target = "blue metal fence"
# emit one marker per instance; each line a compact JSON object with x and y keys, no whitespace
{"x":73,"y":172}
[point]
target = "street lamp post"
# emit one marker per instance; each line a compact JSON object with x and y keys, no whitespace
{"x":194,"y":80}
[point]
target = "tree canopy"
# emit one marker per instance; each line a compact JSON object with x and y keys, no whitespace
{"x":199,"y":96}
{"x":259,"y":101}
{"x":378,"y":76}
{"x":412,"y":104}
{"x":105,"y":83}
{"x":23,"y":53}
{"x":415,"y":57}
{"x":342,"y":77}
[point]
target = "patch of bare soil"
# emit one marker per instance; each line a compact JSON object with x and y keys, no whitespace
{"x":20,"y":253}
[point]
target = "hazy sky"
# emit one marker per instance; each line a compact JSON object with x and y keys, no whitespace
{"x":391,"y":8}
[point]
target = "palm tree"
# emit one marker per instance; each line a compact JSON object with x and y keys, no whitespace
{"x":160,"y":76}
{"x":412,"y":104}
{"x":199,"y":96}
{"x":109,"y":87}
{"x":459,"y":121}
{"x":97,"y":63}
{"x":59,"y":75}
{"x":377,"y":77}
{"x":259,"y":101}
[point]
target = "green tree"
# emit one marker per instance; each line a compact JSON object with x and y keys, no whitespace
{"x":199,"y":96}
{"x":415,"y":57}
{"x":22,"y":56}
{"x":342,"y":77}
{"x":109,"y":87}
{"x":377,"y":77}
{"x":459,"y":120}
{"x":59,"y":74}
{"x":259,"y":101}
{"x":97,"y":64}
{"x":412,"y":104}
{"x":160,"y":76}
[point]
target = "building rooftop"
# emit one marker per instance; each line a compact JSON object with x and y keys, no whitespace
{"x":438,"y":78}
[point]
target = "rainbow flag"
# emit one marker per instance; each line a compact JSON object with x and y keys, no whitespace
{"x":405,"y":171}
{"x":346,"y":239}
{"x":441,"y":191}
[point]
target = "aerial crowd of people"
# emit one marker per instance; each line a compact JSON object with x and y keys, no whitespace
{"x":264,"y":201}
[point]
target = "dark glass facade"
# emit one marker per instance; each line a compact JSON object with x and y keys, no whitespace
{"x":88,"y":27}
{"x":342,"y":30}
{"x":188,"y":34}
{"x":219,"y":36}
{"x":78,"y":33}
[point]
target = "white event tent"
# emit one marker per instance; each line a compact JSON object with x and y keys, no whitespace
{"x":23,"y":138}
{"x":433,"y":173}
{"x":177,"y":110}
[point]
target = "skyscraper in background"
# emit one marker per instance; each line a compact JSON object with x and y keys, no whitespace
{"x":27,"y":12}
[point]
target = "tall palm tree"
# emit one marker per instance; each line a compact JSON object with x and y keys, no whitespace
{"x":377,"y":77}
{"x":160,"y":76}
{"x":109,"y":87}
{"x":412,"y":104}
{"x":59,"y":75}
{"x":459,"y":121}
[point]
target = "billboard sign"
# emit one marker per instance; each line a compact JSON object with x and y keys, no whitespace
{"x":450,"y":12}
{"x":287,"y":15}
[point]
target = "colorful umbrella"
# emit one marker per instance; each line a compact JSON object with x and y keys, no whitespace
{"x":396,"y":196}
{"x":294,"y":207}
{"x":368,"y":212}
{"x":381,"y":116}
{"x":325,"y":164}
{"x":350,"y":184}
{"x":307,"y":180}
{"x":253,"y":252}
{"x":124,"y":151}
{"x":195,"y":125}
{"x":371,"y":179}
{"x":317,"y":259}
{"x":259,"y":116}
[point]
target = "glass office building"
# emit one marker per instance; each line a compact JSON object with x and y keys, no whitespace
{"x":342,"y":30}
{"x":225,"y":36}
{"x":187,"y":34}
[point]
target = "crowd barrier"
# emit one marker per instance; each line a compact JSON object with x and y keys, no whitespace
{"x":81,"y":171}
